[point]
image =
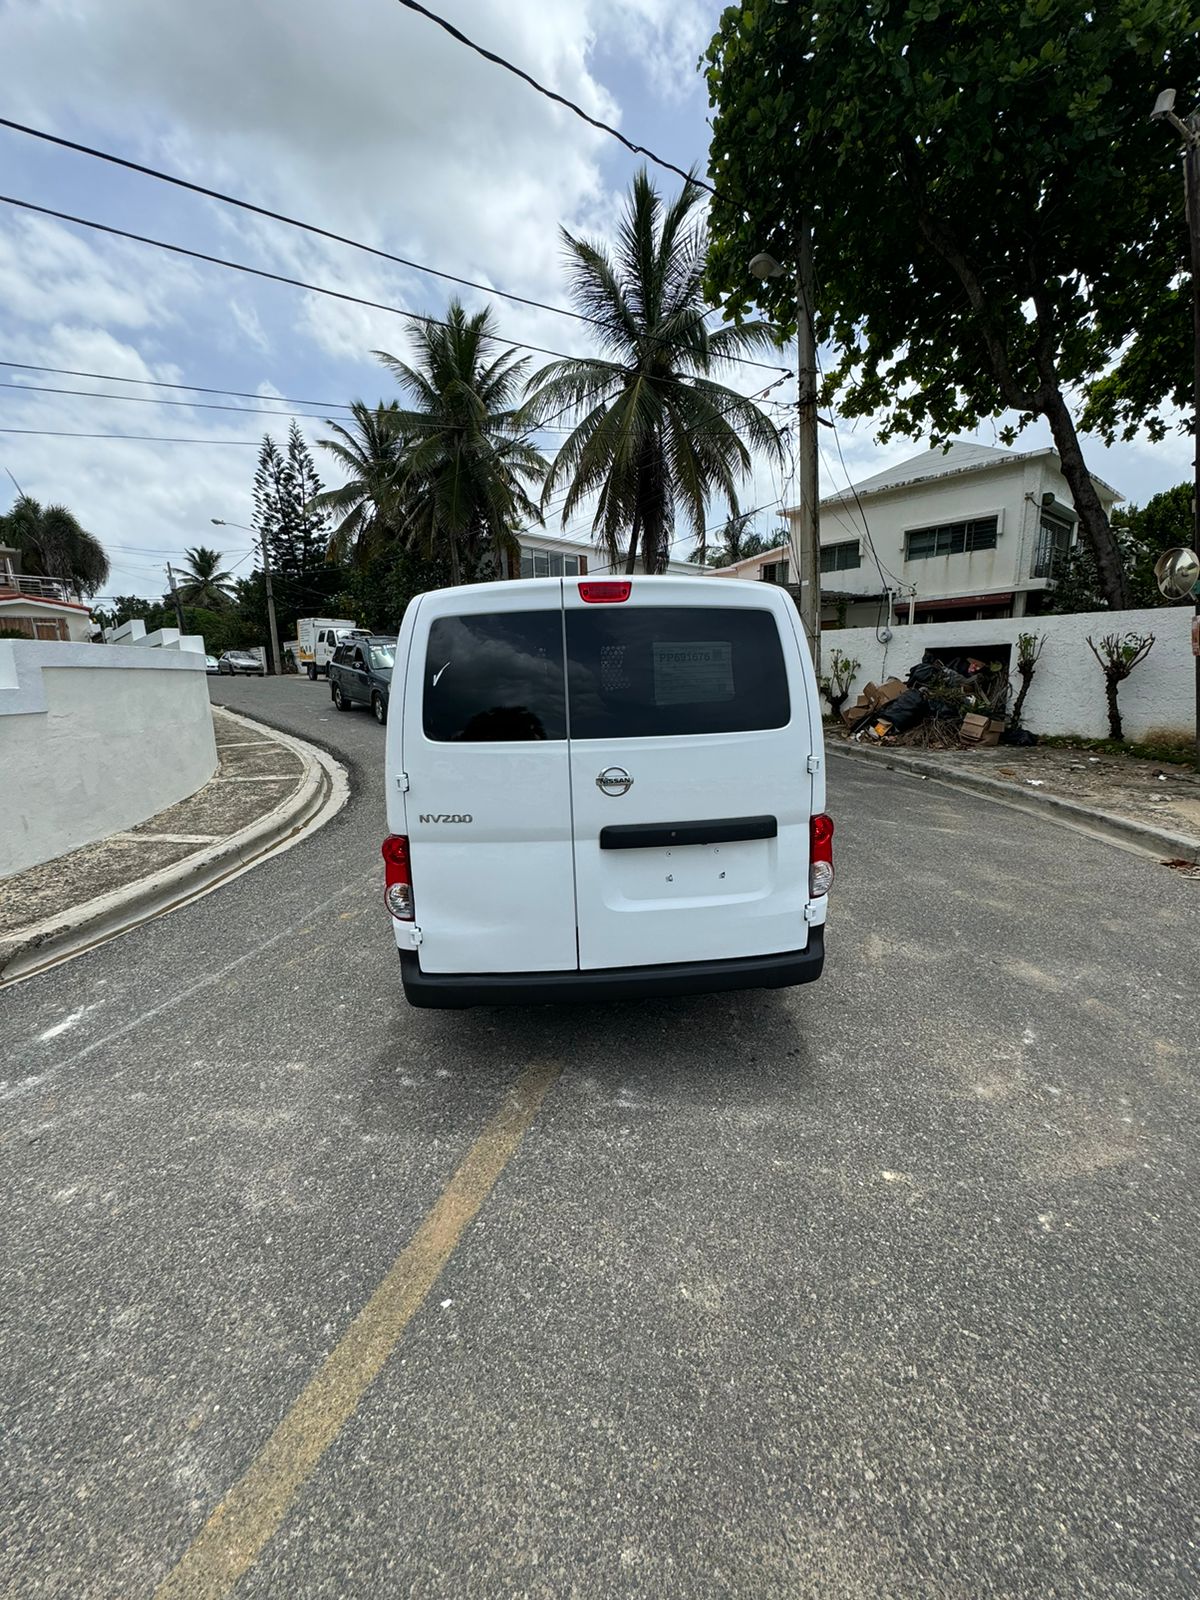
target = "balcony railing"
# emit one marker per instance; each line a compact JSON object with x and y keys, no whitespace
{"x":39,"y":588}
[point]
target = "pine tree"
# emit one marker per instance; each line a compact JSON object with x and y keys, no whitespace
{"x":274,"y":498}
{"x":310,"y":535}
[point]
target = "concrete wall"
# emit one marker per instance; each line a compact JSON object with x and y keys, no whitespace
{"x":1067,"y":695}
{"x":93,"y":740}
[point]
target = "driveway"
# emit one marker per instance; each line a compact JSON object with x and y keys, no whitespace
{"x":886,"y":1287}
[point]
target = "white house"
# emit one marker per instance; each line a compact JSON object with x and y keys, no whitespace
{"x":966,"y":533}
{"x":39,"y":608}
{"x":546,"y":555}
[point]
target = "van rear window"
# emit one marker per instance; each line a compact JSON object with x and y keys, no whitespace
{"x":646,"y":671}
{"x":495,"y":678}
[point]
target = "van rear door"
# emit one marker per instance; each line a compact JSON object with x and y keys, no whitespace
{"x":690,"y":736}
{"x":489,"y":808}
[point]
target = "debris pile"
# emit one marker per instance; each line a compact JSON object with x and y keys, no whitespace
{"x":942,"y":705}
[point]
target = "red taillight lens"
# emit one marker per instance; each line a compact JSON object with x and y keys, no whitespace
{"x":397,"y":892}
{"x":601,"y":594}
{"x":820,"y":856}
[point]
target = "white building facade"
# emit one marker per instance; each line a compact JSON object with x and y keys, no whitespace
{"x":545,"y":555}
{"x":960,"y":535}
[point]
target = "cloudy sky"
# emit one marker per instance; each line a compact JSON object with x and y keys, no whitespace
{"x":364,"y":119}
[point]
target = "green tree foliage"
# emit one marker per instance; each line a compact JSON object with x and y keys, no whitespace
{"x":224,"y":629}
{"x":288,"y":513}
{"x":376,"y":592}
{"x":1142,"y":534}
{"x":735,"y":543}
{"x":365,"y":512}
{"x":659,"y":436}
{"x":291,"y":517}
{"x":992,"y":211}
{"x":52,"y":544}
{"x":467,"y":470}
{"x":203,"y":582}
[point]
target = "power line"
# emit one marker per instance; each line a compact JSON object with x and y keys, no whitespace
{"x":134,"y":438}
{"x":261,"y":272}
{"x":154,"y":400}
{"x":325,"y":233}
{"x":550,"y":94}
{"x":191,"y":388}
{"x":300,"y":283}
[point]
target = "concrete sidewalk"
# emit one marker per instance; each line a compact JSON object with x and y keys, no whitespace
{"x":1139,"y":816}
{"x":269,"y":789}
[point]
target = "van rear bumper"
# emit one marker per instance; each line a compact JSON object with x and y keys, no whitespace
{"x":456,"y":990}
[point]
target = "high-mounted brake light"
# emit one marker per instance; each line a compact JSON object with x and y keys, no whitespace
{"x":820,"y":855}
{"x":599,"y":594}
{"x":397,"y":892}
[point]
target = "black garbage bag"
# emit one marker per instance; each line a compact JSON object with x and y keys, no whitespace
{"x":906,"y":711}
{"x":923,"y":674}
{"x":1018,"y":736}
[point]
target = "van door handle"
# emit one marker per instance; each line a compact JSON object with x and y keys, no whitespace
{"x":712,"y":830}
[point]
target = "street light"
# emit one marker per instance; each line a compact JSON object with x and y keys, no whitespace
{"x":1189,"y":132}
{"x":272,"y":626}
{"x":806,"y":546}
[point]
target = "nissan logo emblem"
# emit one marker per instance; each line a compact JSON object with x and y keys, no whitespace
{"x":615,"y":781}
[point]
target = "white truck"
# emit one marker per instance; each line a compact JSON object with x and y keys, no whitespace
{"x":319,"y":637}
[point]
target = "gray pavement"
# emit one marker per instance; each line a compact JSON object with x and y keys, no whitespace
{"x":886,"y":1287}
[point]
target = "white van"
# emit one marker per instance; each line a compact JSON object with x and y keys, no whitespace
{"x":604,"y":789}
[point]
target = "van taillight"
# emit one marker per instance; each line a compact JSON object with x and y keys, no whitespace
{"x":397,"y":891}
{"x":820,"y":855}
{"x":600,"y":594}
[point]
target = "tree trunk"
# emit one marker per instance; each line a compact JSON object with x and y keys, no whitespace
{"x":455,"y":567}
{"x":634,"y":536}
{"x":1026,"y":680}
{"x":1111,"y":570}
{"x":1114,"y":710}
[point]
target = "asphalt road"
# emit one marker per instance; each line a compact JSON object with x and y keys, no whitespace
{"x":886,"y":1287}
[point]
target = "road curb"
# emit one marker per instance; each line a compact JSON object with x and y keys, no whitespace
{"x":322,"y":792}
{"x":1119,"y":830}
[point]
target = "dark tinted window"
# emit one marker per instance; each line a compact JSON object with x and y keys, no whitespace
{"x":495,"y":677}
{"x":674,"y":670}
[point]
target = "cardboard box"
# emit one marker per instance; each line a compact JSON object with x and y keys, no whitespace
{"x":889,"y":691}
{"x":982,"y":730}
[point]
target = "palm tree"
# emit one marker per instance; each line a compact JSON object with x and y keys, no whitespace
{"x":54,"y":545}
{"x":466,"y":468}
{"x":366,"y":508}
{"x":659,"y":435}
{"x":736,"y":543}
{"x":202,"y":583}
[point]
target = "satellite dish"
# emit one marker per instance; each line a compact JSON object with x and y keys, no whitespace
{"x":1177,"y":572}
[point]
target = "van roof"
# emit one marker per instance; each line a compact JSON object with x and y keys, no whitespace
{"x":669,"y":585}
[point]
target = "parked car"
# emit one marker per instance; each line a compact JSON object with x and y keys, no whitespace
{"x":602,"y":789}
{"x":211,"y":664}
{"x":361,"y":673}
{"x":234,"y":662}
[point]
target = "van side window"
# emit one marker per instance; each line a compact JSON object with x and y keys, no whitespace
{"x":495,"y":677}
{"x":655,"y":671}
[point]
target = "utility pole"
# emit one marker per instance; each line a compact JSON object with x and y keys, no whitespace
{"x":1189,"y":131}
{"x":805,"y":545}
{"x":810,"y":533}
{"x":1191,"y":178}
{"x":175,"y":597}
{"x":274,"y":654}
{"x":276,"y":665}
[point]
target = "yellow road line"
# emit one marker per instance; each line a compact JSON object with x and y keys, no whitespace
{"x":234,"y":1535}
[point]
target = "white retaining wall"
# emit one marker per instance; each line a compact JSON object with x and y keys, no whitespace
{"x":1067,"y":695}
{"x":94,"y":739}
